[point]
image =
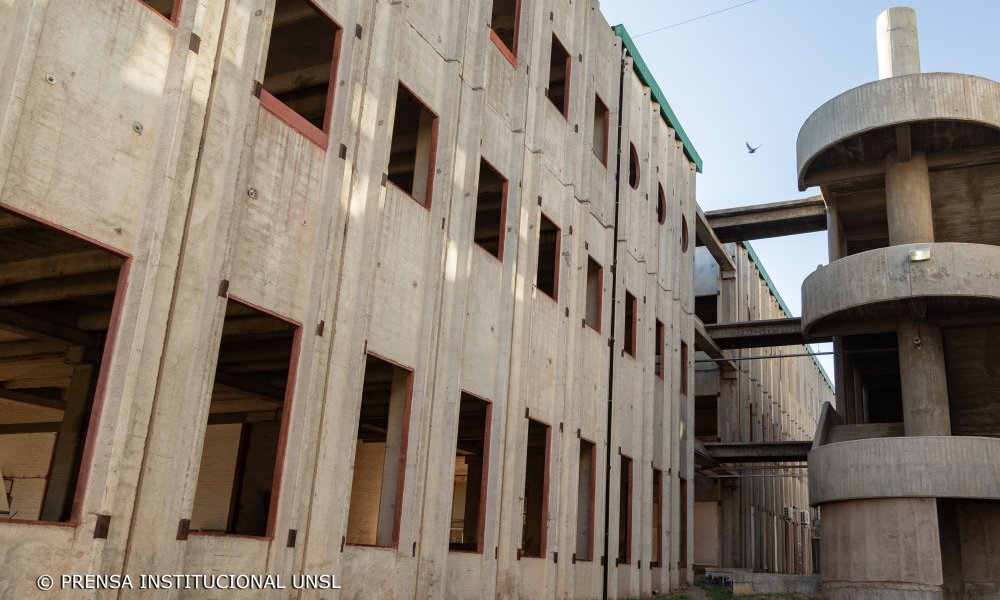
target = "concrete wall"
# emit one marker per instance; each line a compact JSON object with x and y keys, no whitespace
{"x":761,"y":401}
{"x":163,"y":153}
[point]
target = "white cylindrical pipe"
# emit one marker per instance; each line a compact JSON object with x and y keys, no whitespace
{"x":898,"y":52}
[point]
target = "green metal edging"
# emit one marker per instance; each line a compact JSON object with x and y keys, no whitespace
{"x":647,"y":78}
{"x":781,"y":302}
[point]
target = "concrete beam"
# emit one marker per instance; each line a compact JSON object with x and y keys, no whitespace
{"x":760,"y":334}
{"x":703,"y":341}
{"x":705,"y":236}
{"x":759,"y":452}
{"x":775,"y":219}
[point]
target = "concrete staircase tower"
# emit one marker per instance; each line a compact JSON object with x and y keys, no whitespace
{"x":906,"y":469}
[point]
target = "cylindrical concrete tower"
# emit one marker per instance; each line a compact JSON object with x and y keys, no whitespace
{"x":906,"y":469}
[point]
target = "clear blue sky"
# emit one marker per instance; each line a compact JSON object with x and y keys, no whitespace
{"x":755,"y":73}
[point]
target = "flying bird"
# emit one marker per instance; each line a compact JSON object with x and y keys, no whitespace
{"x":751,"y":149}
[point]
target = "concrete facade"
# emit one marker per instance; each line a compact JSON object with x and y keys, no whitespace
{"x":902,"y":468}
{"x":262,"y":363}
{"x":760,"y":511}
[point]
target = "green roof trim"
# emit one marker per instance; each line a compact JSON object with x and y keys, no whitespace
{"x":784,"y":307}
{"x":647,"y":78}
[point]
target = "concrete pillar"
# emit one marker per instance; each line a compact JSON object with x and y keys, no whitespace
{"x":908,"y":200}
{"x":473,"y":490}
{"x":924,"y":382}
{"x":68,"y":451}
{"x":898,"y":52}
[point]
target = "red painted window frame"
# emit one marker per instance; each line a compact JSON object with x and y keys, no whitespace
{"x":629,"y":485}
{"x":569,"y":71}
{"x":484,"y":477}
{"x":603,"y":157}
{"x":279,"y":457}
{"x":600,"y":294}
{"x":631,"y":344}
{"x":684,"y":367}
{"x":174,"y":11}
{"x":658,"y":517}
{"x":592,"y":491}
{"x":101,"y":388}
{"x":431,"y":162}
{"x":503,"y":212}
{"x":555,"y":273}
{"x":544,"y":541}
{"x":319,"y":137}
{"x":660,"y":342}
{"x":404,"y":444}
{"x":509,"y":53}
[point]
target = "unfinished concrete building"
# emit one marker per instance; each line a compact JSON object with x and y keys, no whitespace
{"x":905,"y":468}
{"x":401,"y":292}
{"x":756,"y":407}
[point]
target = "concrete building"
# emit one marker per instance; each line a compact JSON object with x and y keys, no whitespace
{"x":756,"y":408}
{"x":905,"y":469}
{"x":400,"y":292}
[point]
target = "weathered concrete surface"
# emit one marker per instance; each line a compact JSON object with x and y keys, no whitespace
{"x":955,"y":270}
{"x":898,"y":47}
{"x":894,"y":549}
{"x":896,"y":467}
{"x":895,"y":101}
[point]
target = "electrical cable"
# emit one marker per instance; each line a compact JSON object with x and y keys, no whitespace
{"x":722,"y":10}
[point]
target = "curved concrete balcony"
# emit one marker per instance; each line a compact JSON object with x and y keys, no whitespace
{"x":874,"y":285}
{"x":949,"y":97}
{"x":906,"y":467}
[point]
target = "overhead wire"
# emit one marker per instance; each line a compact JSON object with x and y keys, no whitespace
{"x":706,"y":15}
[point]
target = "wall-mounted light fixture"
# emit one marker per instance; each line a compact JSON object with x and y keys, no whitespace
{"x":920,"y":254}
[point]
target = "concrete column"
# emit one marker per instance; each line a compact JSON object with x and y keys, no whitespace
{"x":908,"y":200}
{"x":924,"y":382}
{"x":898,"y":52}
{"x":68,"y":451}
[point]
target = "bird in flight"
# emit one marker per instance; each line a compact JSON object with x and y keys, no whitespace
{"x":751,"y":149}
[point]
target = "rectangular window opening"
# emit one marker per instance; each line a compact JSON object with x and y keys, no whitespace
{"x":657,"y":521}
{"x":536,"y":480}
{"x":504,"y":26}
{"x":236,"y":481}
{"x":586,"y":488}
{"x":684,"y":367}
{"x":469,"y":490}
{"x":547,"y":272}
{"x":682,"y":559}
{"x":602,"y":126}
{"x":300,"y":64}
{"x":658,"y":360}
{"x":491,"y":209}
{"x":414,"y":141}
{"x":380,"y":455}
{"x":58,"y":295}
{"x":631,"y":310}
{"x":706,"y":308}
{"x":595,"y":285}
{"x":168,"y":9}
{"x":559,"y":68}
{"x":706,"y":418}
{"x":625,"y":511}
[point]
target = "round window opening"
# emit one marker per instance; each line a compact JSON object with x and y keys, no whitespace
{"x":661,"y":207}
{"x":633,"y":167}
{"x":684,"y":234}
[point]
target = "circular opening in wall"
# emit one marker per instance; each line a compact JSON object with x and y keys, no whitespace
{"x":684,"y":234}
{"x":633,"y":166}
{"x":661,"y":206}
